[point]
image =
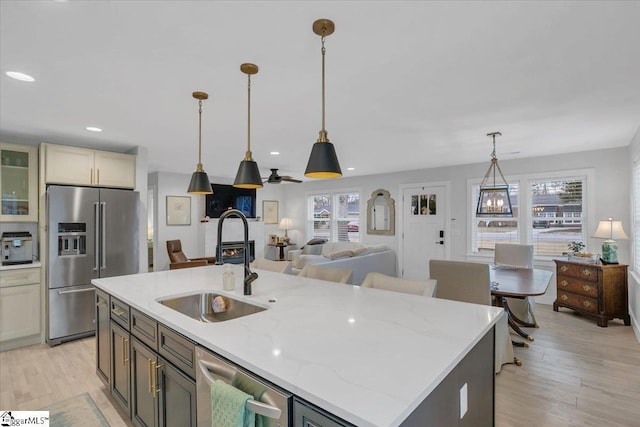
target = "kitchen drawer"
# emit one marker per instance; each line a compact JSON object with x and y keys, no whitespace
{"x":578,"y":286}
{"x":120,"y":312}
{"x":578,"y":301}
{"x":22,"y":276}
{"x":579,"y":271}
{"x":177,"y":349}
{"x":144,"y":328}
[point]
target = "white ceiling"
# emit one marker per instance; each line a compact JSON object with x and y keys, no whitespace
{"x":410,"y":85}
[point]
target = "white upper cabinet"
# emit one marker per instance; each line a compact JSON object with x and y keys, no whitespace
{"x":83,"y":166}
{"x":19,"y":183}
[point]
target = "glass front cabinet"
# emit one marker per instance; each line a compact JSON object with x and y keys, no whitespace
{"x":19,"y":182}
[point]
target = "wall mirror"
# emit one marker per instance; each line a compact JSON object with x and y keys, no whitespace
{"x":381,"y":213}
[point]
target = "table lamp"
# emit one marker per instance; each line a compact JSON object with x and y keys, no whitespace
{"x":610,"y":230}
{"x":286,"y":224}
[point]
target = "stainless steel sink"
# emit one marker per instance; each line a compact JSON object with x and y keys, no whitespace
{"x":201,"y":307}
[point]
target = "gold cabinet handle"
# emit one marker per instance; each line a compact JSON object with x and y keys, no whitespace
{"x":564,"y":283}
{"x":587,"y":303}
{"x":564,"y":297}
{"x":125,"y":342}
{"x":149,"y":371}
{"x":586,"y":272}
{"x":155,"y":381}
{"x":101,"y":304}
{"x":564,"y":268}
{"x":117,"y":311}
{"x":586,"y":288}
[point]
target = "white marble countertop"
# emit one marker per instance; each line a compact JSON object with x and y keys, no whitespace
{"x":368,"y":356}
{"x":34,"y":264}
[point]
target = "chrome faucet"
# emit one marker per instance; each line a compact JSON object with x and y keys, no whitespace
{"x":249,"y":276}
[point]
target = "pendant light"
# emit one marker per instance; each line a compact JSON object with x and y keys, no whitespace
{"x":323,"y":162}
{"x":199,"y":180}
{"x":494,"y":200}
{"x":248,"y":175}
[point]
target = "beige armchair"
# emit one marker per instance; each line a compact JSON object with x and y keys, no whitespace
{"x":375,"y":280}
{"x":340,"y":275}
{"x":512,"y":255}
{"x":178,"y":259}
{"x":469,"y":282}
{"x":267,"y":264}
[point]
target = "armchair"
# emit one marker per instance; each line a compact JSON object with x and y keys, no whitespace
{"x":178,"y":259}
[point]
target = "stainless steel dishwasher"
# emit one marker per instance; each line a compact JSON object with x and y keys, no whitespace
{"x":274,"y":404}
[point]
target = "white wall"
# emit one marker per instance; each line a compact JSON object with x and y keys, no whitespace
{"x":634,"y":276}
{"x":611,"y":170}
{"x":198,"y":238}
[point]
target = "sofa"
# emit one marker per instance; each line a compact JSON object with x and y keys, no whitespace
{"x":358,"y":257}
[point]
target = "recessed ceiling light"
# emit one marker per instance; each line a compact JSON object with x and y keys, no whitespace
{"x":351,"y":169}
{"x":93,"y":129}
{"x":20,"y":76}
{"x":275,"y":153}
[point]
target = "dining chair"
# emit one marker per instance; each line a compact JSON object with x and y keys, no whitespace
{"x":514,"y":255}
{"x":340,"y":275}
{"x":376,"y":280}
{"x":178,"y":259}
{"x":469,"y":282}
{"x":267,"y":264}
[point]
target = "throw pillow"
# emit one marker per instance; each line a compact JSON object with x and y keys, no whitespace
{"x":340,"y":254}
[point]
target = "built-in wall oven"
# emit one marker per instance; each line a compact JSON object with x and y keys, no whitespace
{"x":274,"y":404}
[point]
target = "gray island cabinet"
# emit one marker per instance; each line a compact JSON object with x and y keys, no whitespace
{"x":343,"y":356}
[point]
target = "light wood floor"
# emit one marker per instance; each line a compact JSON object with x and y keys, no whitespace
{"x":574,"y":374}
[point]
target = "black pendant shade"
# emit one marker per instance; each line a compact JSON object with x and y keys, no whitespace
{"x":323,"y":162}
{"x":248,"y":175}
{"x":199,"y":183}
{"x":199,"y":179}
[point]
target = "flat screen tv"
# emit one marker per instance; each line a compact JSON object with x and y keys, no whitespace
{"x":227,"y":196}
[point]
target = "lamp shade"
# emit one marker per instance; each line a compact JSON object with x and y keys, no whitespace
{"x":286,"y":224}
{"x":494,"y":201}
{"x":248,"y":175}
{"x":610,"y":230}
{"x":323,"y":162}
{"x":199,"y":183}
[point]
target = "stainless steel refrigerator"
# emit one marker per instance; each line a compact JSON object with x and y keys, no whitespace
{"x":92,"y":233}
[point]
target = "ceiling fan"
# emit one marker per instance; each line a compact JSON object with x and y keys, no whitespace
{"x":274,"y":178}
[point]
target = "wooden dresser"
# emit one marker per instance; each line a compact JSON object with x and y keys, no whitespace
{"x":593,"y":290}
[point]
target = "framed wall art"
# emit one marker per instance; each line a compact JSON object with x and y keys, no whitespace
{"x":178,"y":210}
{"x":270,"y":211}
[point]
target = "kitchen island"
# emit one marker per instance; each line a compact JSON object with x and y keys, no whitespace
{"x":367,"y":356}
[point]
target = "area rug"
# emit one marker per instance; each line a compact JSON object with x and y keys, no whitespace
{"x":80,"y":410}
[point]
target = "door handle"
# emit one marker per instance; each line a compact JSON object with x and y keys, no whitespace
{"x":96,"y":236}
{"x":156,"y":389}
{"x":103,"y":221}
{"x":150,"y":374}
{"x":125,"y":359}
{"x":75,"y":291}
{"x":440,"y":242}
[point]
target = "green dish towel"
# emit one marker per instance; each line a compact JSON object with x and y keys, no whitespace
{"x":229,"y":407}
{"x":254,"y":388}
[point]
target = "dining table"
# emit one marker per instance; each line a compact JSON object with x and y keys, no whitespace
{"x":514,"y":282}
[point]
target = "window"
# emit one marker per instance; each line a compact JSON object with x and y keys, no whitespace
{"x":556,"y":209}
{"x":548,"y":212}
{"x":334,"y":216}
{"x":636,"y":215}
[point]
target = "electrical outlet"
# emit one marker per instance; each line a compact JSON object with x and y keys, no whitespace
{"x":464,"y":402}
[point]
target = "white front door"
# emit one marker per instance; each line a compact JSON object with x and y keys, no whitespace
{"x":424,"y":209}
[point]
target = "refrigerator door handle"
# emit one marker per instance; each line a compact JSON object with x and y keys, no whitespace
{"x":103,"y":227}
{"x":96,"y":236}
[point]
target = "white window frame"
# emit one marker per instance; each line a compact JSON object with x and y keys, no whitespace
{"x":525,"y":218}
{"x":333,"y":193}
{"x":635,"y":219}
